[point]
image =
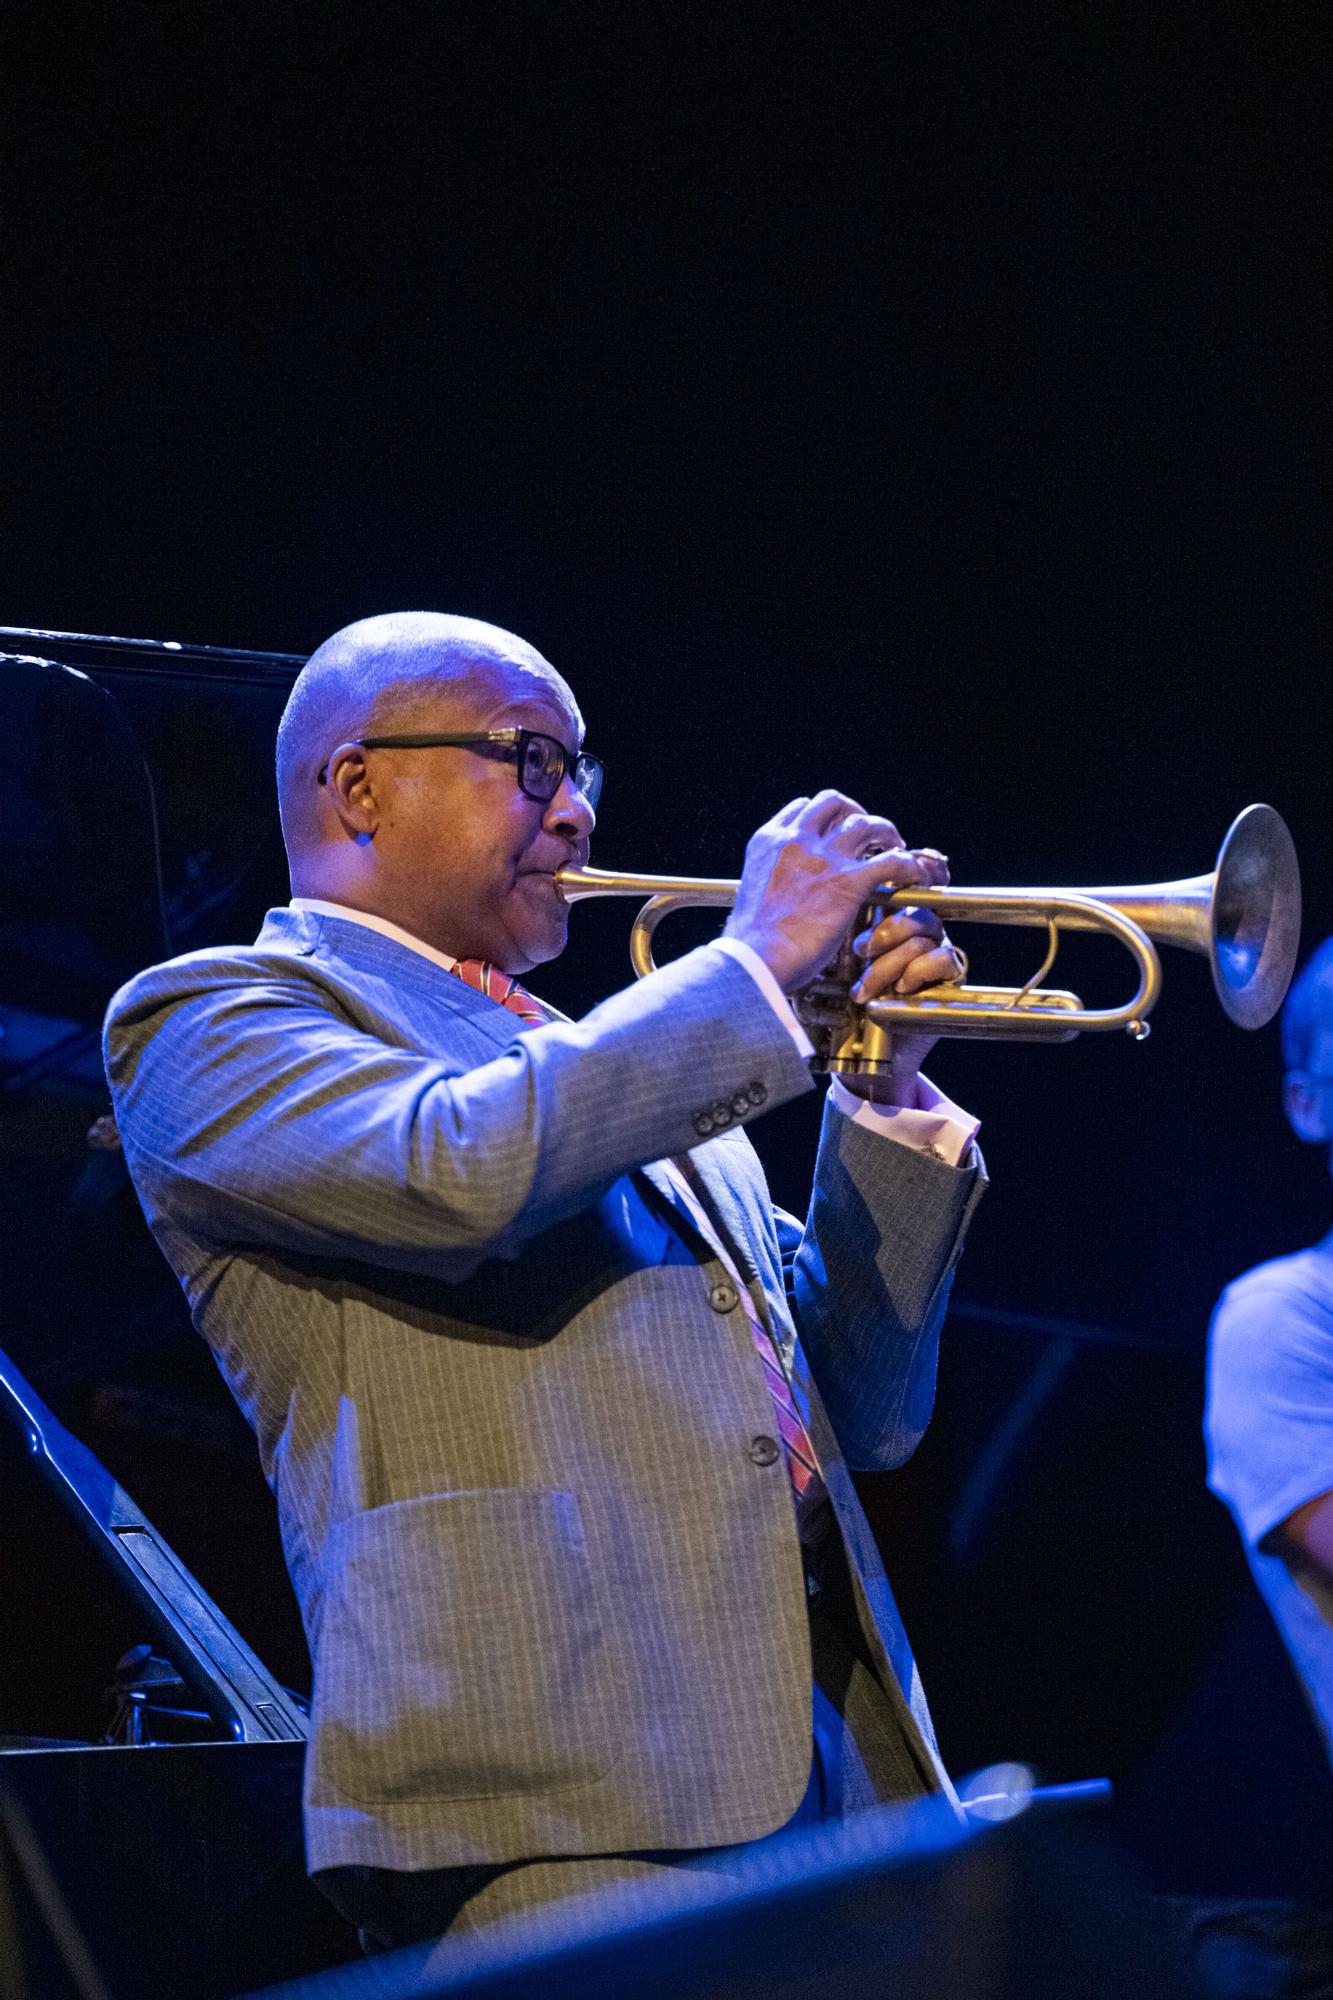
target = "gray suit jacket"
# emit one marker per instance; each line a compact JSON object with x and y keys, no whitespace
{"x":506,"y":1402}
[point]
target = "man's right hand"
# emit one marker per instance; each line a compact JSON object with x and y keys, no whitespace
{"x":806,"y":877}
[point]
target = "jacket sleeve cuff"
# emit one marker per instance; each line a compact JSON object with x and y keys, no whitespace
{"x":937,"y":1126}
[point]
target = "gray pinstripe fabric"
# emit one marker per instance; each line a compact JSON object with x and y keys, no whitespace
{"x":554,"y":1605}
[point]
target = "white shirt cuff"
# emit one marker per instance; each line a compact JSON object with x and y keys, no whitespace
{"x":746,"y":955}
{"x":937,"y":1126}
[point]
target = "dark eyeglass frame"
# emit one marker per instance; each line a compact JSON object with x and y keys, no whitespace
{"x":586,"y":770}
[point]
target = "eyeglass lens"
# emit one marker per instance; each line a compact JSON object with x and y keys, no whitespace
{"x":543,"y":770}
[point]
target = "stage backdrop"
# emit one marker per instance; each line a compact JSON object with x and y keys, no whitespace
{"x":922,"y":401}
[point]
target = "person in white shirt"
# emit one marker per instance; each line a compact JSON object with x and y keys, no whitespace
{"x":1269,"y":1420}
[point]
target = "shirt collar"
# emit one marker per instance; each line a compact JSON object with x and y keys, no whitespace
{"x":318,"y":907}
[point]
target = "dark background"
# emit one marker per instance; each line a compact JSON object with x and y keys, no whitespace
{"x":927,"y":400}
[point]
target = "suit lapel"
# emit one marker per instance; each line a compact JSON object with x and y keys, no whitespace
{"x":716,"y":1167}
{"x":726,"y":1212}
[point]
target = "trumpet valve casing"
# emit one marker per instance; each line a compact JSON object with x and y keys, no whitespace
{"x":846,"y":1040}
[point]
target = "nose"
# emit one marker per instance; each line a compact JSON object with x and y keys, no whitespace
{"x":569,"y":814}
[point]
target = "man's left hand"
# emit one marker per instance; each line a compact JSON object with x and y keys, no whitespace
{"x":906,"y":952}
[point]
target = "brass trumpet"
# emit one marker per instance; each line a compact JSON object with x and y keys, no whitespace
{"x":1245,"y":917}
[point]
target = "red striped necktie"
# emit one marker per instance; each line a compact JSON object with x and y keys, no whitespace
{"x":486,"y":978}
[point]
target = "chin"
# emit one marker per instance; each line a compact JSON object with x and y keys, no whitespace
{"x":552,"y":949}
{"x":536,"y":925}
{"x":539,"y":949}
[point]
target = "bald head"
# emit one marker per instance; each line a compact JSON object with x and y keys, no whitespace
{"x":378,"y":676}
{"x":440,"y":838}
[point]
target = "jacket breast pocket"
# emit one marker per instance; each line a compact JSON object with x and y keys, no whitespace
{"x":461,"y":1651}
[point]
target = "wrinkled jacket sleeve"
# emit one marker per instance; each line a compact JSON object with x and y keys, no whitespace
{"x":869,"y":1277}
{"x":254,"y":1110}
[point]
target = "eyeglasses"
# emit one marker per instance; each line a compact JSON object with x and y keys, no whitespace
{"x":543,"y":763}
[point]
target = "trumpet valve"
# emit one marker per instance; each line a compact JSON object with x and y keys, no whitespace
{"x":846,"y":1040}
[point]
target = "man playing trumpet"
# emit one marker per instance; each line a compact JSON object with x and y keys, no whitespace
{"x":557,"y":1409}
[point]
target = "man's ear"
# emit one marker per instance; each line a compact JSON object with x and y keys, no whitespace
{"x":1307,"y":1107}
{"x":351,"y":792}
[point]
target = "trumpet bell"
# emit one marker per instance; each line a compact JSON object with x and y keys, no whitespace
{"x":1256,"y":917}
{"x":1245,"y":917}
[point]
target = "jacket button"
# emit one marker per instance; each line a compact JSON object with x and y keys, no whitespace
{"x":756,"y":1093}
{"x":764,"y":1450}
{"x":722,"y":1297}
